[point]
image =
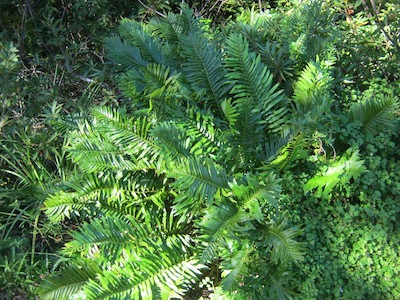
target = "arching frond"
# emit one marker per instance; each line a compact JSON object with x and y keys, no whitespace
{"x":172,"y":140}
{"x":235,"y":265}
{"x":294,"y":150}
{"x":69,"y":281}
{"x":280,"y":239}
{"x":110,"y":236}
{"x":153,"y":274}
{"x":197,"y":182}
{"x":375,"y":114}
{"x":136,"y":35}
{"x":129,"y":136}
{"x":129,"y":57}
{"x":258,"y":193}
{"x":217,"y":225}
{"x":203,"y":69}
{"x":205,"y":137}
{"x":252,"y":82}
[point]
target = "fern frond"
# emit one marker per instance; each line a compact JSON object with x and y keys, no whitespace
{"x":257,"y":194}
{"x":259,"y":105}
{"x":203,"y":69}
{"x":338,"y":173}
{"x":205,"y":138}
{"x":69,"y":281}
{"x":311,"y":90}
{"x":127,"y":56}
{"x":235,"y":265}
{"x":130,"y":135}
{"x":172,"y":140}
{"x":110,"y":236}
{"x":375,"y":114}
{"x":138,"y":36}
{"x":220,"y":223}
{"x":281,"y":240}
{"x":197,"y":182}
{"x":150,"y":276}
{"x":61,"y":205}
{"x":288,"y":155}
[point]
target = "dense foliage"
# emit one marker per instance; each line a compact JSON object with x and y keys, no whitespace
{"x":213,"y":151}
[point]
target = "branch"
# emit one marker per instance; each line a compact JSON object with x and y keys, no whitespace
{"x":375,"y":13}
{"x":152,"y":9}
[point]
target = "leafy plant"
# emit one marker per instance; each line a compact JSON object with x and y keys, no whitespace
{"x":171,"y":190}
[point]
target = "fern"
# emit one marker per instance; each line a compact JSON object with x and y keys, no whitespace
{"x":198,"y":183}
{"x":123,"y":54}
{"x":203,"y":69}
{"x":287,"y":156}
{"x":375,"y":114}
{"x":155,"y":274}
{"x":68,"y":282}
{"x":337,"y":173}
{"x":260,"y":107}
{"x":139,"y":36}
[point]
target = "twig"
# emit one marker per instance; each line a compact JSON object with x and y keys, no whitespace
{"x":375,"y":13}
{"x":152,"y":9}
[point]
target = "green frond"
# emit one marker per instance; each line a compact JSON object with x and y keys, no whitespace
{"x":257,"y":194}
{"x":220,"y":223}
{"x":230,"y":112}
{"x":94,"y":152}
{"x":137,"y":35}
{"x":287,"y":157}
{"x":151,"y":276}
{"x":115,"y":141}
{"x":108,"y":237}
{"x":69,"y":281}
{"x":171,"y":140}
{"x":281,"y":241}
{"x":203,"y":69}
{"x":260,"y":106}
{"x":174,"y":26}
{"x":311,"y":91}
{"x":337,"y":174}
{"x":108,"y":194}
{"x":129,"y":57}
{"x":235,"y":265}
{"x":197,"y":182}
{"x":201,"y":130}
{"x":375,"y":114}
{"x":61,"y":205}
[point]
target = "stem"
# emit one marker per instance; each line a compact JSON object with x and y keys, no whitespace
{"x":35,"y":231}
{"x":152,"y":9}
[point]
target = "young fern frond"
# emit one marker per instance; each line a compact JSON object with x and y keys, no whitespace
{"x":375,"y":114}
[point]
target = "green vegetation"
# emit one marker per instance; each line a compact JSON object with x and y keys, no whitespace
{"x":212,"y":150}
